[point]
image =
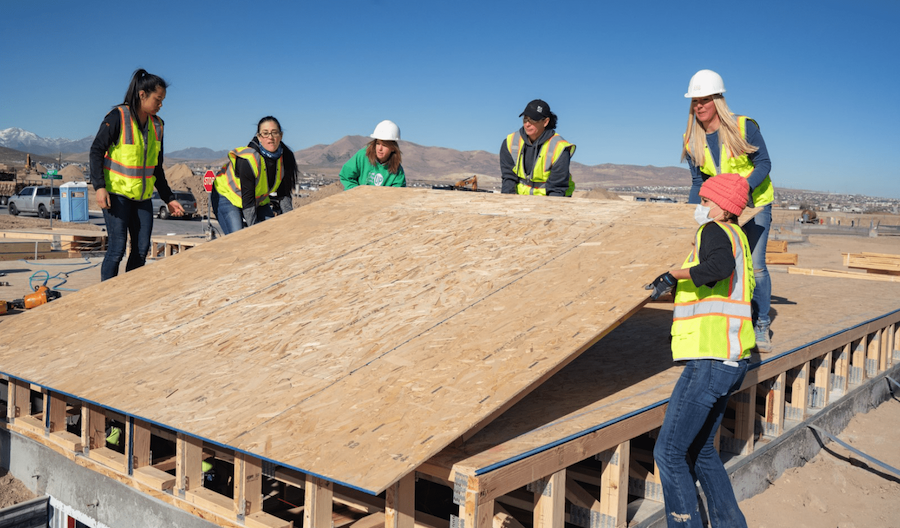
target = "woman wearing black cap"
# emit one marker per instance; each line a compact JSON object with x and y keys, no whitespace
{"x":535,"y":159}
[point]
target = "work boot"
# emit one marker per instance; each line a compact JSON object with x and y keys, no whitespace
{"x":763,"y":343}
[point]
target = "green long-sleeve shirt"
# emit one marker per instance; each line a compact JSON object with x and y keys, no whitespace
{"x":359,"y":171}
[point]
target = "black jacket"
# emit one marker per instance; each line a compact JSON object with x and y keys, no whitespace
{"x":557,"y":182}
{"x":107,"y":137}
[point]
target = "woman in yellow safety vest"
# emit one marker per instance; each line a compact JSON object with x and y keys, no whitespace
{"x":712,"y":335}
{"x":716,"y":142}
{"x":534,"y":160}
{"x":126,"y":164}
{"x":241,"y":192}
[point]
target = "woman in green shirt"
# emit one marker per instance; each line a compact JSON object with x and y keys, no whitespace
{"x":379,"y":162}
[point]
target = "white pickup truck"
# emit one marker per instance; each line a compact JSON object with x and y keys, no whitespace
{"x":35,"y":199}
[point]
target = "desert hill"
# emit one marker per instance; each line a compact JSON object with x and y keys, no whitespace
{"x":443,"y":164}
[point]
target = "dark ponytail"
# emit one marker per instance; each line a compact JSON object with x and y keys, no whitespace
{"x":553,"y":121}
{"x":141,"y":80}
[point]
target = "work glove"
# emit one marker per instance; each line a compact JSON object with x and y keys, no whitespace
{"x":662,"y":285}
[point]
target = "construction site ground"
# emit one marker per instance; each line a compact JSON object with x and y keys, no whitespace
{"x":834,"y":489}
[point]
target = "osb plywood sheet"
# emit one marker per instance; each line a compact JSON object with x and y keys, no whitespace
{"x":356,"y":337}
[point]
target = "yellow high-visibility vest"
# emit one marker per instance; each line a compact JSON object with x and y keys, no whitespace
{"x":228,"y":184}
{"x":716,"y":323}
{"x":129,"y":164}
{"x":537,"y":183}
{"x":762,"y":195}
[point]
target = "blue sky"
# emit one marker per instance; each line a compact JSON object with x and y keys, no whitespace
{"x":821,"y":78}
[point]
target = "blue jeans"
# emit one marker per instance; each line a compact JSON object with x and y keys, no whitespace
{"x":231,"y":217}
{"x":124,"y":218}
{"x":692,"y":418}
{"x":757,"y":231}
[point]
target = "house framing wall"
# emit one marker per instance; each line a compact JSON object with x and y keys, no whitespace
{"x":588,"y":480}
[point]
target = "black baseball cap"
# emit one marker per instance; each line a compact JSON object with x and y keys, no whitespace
{"x":537,"y":109}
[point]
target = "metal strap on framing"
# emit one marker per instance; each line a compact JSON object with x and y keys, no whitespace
{"x":460,"y":483}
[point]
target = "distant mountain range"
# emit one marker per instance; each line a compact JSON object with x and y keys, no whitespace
{"x":419,"y":162}
{"x":18,"y":139}
{"x":442,"y":164}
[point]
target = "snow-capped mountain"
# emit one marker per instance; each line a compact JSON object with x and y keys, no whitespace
{"x":16,"y":138}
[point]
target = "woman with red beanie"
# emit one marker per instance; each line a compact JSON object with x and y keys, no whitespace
{"x":712,"y":334}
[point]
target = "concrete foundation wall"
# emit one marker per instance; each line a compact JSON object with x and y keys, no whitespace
{"x":112,"y":503}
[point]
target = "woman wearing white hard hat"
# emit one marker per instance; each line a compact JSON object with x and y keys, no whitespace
{"x":719,"y":142}
{"x":378,"y":163}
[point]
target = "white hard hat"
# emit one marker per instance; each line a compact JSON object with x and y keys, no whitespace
{"x":705,"y":82}
{"x":386,"y":130}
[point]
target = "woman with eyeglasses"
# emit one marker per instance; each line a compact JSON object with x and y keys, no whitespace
{"x":126,"y":164}
{"x":535,"y":159}
{"x":241,"y":192}
{"x":720,"y":142}
{"x":378,"y":163}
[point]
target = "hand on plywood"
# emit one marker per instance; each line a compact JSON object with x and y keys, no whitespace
{"x":661,"y":285}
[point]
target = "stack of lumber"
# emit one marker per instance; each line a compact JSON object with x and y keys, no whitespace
{"x":63,"y":242}
{"x":873,"y":262}
{"x":776,"y":253}
{"x":877,"y":266}
{"x":28,"y":249}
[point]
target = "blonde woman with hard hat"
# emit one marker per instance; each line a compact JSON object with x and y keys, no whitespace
{"x":717,"y":141}
{"x":378,"y":163}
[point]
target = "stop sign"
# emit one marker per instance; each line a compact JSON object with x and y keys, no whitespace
{"x":208,"y":179}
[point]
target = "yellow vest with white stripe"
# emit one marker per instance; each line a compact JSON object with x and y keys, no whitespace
{"x":537,"y":184}
{"x":762,"y":195}
{"x":228,"y":184}
{"x":129,"y":164}
{"x":715,"y":323}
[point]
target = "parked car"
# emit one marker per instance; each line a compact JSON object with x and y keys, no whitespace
{"x":35,"y":199}
{"x":185,"y":198}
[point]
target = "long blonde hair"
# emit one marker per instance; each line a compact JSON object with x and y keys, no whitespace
{"x":729,"y":134}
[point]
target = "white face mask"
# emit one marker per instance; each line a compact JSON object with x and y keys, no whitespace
{"x":701,"y":214}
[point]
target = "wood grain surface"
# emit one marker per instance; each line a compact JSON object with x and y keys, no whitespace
{"x":356,"y":337}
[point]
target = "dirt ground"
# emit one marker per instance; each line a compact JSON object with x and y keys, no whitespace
{"x":838,"y":488}
{"x":12,"y":491}
{"x":834,"y":489}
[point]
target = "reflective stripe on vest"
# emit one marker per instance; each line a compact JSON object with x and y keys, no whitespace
{"x":537,"y":183}
{"x":128,"y":166}
{"x":228,"y":184}
{"x":762,"y":195}
{"x":716,"y":322}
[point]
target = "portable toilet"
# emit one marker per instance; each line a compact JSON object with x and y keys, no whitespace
{"x":73,"y":203}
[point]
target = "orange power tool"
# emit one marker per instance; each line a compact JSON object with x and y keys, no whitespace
{"x":41,"y":295}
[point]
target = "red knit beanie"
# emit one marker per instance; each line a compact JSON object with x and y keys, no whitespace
{"x":729,"y":191}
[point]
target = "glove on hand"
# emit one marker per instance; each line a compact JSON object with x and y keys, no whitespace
{"x":662,"y":285}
